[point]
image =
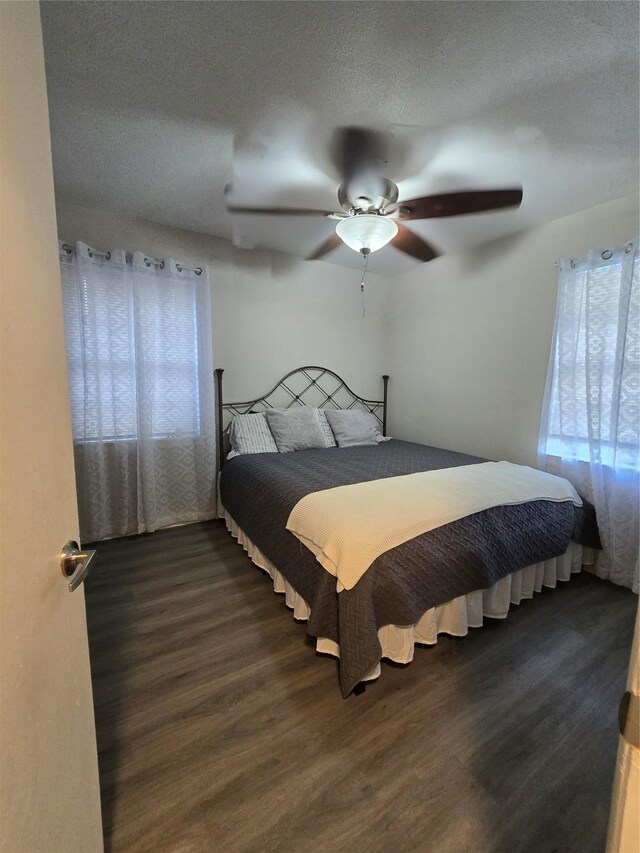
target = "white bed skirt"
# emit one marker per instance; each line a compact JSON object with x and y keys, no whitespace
{"x":455,"y":617}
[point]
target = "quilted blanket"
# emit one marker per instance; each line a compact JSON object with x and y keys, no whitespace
{"x":348,"y":527}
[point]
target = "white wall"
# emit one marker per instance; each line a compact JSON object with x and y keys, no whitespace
{"x":271,"y":312}
{"x":465,"y":338}
{"x":470,"y":335}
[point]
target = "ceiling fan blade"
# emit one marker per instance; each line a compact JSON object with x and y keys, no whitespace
{"x":279,"y":211}
{"x":331,"y":243}
{"x":353,"y":148}
{"x":356,"y":149}
{"x":412,"y":244}
{"x":459,"y":203}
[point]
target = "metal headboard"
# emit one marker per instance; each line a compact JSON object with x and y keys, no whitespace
{"x":318,"y":387}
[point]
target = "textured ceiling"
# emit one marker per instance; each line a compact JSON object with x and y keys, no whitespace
{"x":156,"y":106}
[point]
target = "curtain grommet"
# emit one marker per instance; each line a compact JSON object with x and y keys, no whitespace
{"x":107,"y":257}
{"x":147,"y":262}
{"x":628,"y":248}
{"x":606,"y":255}
{"x":572,"y":264}
{"x":90,"y":253}
{"x":178,"y":267}
{"x":198,"y":271}
{"x":161,"y":265}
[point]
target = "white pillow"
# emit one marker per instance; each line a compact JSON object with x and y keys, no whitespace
{"x":251,"y":434}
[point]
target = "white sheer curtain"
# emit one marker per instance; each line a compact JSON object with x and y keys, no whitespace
{"x":590,"y":428}
{"x":138,"y":337}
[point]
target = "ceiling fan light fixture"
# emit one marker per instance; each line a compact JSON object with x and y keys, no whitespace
{"x":366,"y":231}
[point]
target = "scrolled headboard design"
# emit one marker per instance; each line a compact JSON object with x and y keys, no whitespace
{"x":313,"y":386}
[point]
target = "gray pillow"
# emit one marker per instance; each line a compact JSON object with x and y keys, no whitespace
{"x":329,"y":440}
{"x":353,"y":427}
{"x":251,"y":434}
{"x":295,"y":429}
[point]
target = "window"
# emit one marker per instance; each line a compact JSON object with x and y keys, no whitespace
{"x":594,"y":389}
{"x":590,"y":428}
{"x":138,"y":336}
{"x":132,"y":350}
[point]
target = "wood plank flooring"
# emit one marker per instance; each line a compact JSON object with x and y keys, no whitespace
{"x":220,"y":729}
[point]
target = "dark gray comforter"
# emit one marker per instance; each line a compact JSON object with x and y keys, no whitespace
{"x":259,"y":491}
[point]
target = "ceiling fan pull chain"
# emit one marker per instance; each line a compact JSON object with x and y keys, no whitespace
{"x":365,"y":253}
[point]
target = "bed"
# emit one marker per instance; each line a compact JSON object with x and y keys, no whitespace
{"x":445,"y":580}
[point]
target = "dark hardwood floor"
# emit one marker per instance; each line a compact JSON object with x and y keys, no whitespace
{"x":220,"y":729}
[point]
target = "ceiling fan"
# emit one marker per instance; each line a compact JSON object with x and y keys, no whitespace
{"x":371,"y":216}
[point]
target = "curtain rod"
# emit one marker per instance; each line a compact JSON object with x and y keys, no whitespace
{"x":68,"y":248}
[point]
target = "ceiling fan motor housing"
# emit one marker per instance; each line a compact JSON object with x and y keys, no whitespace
{"x":372,"y":195}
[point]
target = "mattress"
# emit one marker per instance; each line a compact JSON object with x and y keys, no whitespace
{"x":473,"y":553}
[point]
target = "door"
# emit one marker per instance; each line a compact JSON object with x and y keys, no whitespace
{"x":49,"y":792}
{"x":624,"y":822}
